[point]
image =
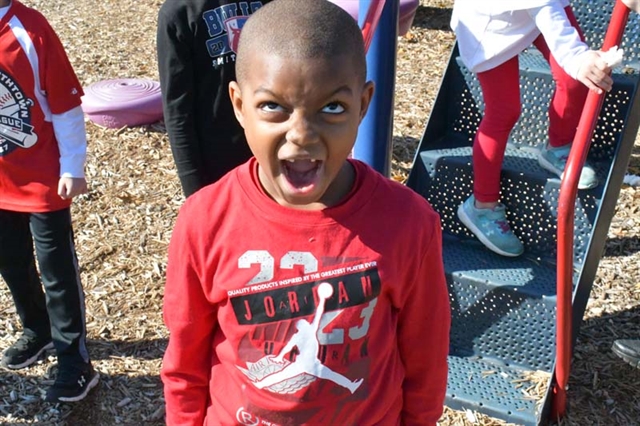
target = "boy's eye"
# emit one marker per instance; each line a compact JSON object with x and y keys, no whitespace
{"x":333,"y":108}
{"x":270,"y":107}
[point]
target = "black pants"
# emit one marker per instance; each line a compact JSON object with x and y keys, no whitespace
{"x":58,"y":311}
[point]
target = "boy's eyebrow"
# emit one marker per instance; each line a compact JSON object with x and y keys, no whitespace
{"x":344,"y":88}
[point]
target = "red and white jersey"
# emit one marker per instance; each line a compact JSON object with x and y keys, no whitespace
{"x":36,"y":81}
{"x":279,"y":316}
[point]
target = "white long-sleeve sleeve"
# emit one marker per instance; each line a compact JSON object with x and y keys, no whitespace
{"x":71,"y":135}
{"x":562,"y":38}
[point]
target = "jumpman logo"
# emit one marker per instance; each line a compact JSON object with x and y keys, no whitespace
{"x":307,"y":362}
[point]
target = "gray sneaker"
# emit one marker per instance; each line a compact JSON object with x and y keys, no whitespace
{"x":555,"y":160}
{"x":490,"y":226}
{"x":628,"y":350}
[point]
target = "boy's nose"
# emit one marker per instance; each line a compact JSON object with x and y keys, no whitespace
{"x":301,"y":132}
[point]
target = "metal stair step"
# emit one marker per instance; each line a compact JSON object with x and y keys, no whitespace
{"x":447,"y":180}
{"x":520,"y":160}
{"x":495,"y":389}
{"x":471,"y":261}
{"x":498,"y":303}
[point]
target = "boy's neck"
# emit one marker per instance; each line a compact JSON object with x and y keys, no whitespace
{"x":5,"y":3}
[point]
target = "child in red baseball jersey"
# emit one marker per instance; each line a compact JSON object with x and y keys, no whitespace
{"x":304,"y":287}
{"x":42,"y":155}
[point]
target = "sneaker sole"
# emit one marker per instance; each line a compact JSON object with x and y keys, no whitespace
{"x":92,"y":384}
{"x":466,"y":220}
{"x":545,"y":164}
{"x":633,"y":361}
{"x":31,"y":360}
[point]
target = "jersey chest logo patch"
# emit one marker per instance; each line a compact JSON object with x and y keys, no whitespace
{"x":16,"y":130}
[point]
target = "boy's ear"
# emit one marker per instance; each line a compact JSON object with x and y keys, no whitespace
{"x":236,"y":100}
{"x":365,"y":100}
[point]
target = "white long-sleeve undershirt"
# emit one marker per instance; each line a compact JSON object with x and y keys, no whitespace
{"x":71,"y":135}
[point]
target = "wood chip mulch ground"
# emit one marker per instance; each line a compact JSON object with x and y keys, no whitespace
{"x":124,"y":224}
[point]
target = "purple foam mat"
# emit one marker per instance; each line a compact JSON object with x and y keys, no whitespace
{"x":123,"y":102}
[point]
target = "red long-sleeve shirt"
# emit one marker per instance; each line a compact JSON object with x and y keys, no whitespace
{"x":280,"y":316}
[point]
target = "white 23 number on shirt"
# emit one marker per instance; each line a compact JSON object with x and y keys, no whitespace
{"x":310,"y":265}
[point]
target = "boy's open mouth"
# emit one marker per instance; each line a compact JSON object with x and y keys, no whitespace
{"x":301,"y":174}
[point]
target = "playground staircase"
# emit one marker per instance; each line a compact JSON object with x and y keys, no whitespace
{"x":503,"y":348}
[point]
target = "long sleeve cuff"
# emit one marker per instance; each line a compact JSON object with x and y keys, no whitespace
{"x":573,"y":65}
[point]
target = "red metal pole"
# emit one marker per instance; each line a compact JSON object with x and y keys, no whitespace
{"x":566,"y":208}
{"x":371,"y":21}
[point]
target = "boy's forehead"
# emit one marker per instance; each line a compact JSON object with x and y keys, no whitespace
{"x":266,"y":65}
{"x":322,"y":31}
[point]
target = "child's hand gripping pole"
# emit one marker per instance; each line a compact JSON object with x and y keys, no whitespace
{"x":596,"y":69}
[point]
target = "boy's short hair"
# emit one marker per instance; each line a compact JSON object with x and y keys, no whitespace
{"x":302,"y":29}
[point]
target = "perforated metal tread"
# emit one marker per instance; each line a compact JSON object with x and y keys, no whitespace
{"x":494,"y":389}
{"x":472,"y":262}
{"x":498,"y":303}
{"x":517,"y":159}
{"x":449,"y":181}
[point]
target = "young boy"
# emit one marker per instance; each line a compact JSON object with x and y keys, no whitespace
{"x":42,"y":155}
{"x":197,"y":41}
{"x":304,"y":287}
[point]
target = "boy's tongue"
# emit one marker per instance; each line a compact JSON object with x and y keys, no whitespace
{"x":301,"y":173}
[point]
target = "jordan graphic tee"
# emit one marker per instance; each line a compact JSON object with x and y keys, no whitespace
{"x":308,"y":317}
